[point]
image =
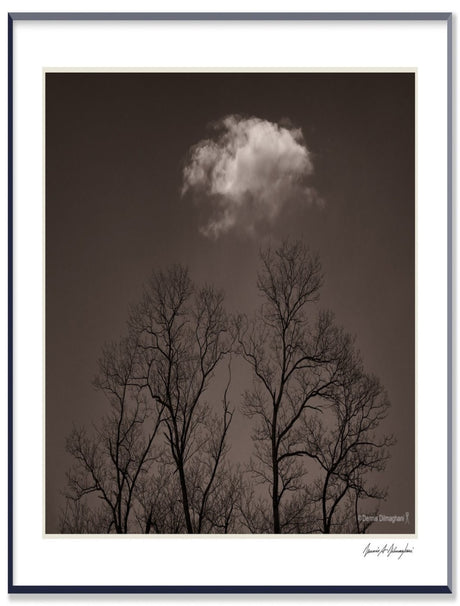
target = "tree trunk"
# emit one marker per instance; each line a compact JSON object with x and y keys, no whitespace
{"x":188,"y":520}
{"x":276,"y":509}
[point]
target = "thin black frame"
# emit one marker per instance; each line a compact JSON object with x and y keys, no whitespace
{"x":229,"y":589}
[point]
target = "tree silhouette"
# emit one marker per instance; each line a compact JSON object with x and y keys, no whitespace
{"x":160,"y":425}
{"x":294,"y":360}
{"x":158,"y":461}
{"x":182,"y":334}
{"x":345,"y":444}
{"x":111,"y":461}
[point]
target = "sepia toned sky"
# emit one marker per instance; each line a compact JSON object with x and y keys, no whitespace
{"x":141,"y":172}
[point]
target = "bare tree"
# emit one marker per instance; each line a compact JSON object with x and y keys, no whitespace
{"x":157,"y":462}
{"x":110,"y":461}
{"x":345,"y":443}
{"x":182,"y":333}
{"x":295,"y":360}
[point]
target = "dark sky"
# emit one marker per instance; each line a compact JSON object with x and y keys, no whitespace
{"x":115,"y":150}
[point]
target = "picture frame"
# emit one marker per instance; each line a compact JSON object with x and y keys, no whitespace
{"x":26,"y":238}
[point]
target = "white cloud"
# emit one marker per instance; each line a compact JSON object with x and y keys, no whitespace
{"x":247,"y":172}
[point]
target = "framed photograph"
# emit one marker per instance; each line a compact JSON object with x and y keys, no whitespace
{"x":230,"y":303}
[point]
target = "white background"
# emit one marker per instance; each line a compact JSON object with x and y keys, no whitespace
{"x":241,"y":554}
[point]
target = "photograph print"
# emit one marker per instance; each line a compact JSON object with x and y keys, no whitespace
{"x":230,"y":303}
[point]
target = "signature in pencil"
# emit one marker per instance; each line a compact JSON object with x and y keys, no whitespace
{"x":387,"y":550}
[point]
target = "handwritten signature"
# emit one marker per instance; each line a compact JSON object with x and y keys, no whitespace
{"x":387,"y":550}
